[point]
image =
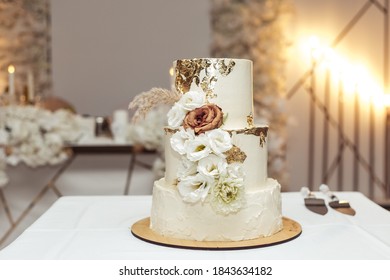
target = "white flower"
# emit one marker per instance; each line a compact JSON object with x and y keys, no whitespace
{"x":227,"y":196}
{"x":192,"y":100}
{"x":212,"y":166}
{"x":198,"y":148}
{"x":53,"y":140}
{"x":195,"y":188}
{"x":220,"y":141}
{"x":4,"y":136}
{"x":3,"y":176}
{"x":180,"y":139}
{"x":176,"y":116}
{"x":186,"y":169}
{"x":3,"y":179}
{"x":36,"y":135}
{"x":149,"y":131}
{"x":19,"y":130}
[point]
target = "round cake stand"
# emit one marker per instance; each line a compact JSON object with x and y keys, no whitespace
{"x":291,"y":230}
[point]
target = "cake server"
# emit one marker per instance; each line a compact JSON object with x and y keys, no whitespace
{"x":342,"y":206}
{"x":316,"y":205}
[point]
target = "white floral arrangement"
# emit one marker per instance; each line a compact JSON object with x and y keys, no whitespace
{"x":35,"y":136}
{"x":211,"y":167}
{"x":149,"y":132}
{"x":3,"y":176}
{"x":205,"y":174}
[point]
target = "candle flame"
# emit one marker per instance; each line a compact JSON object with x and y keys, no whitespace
{"x":11,"y":69}
{"x":171,"y":71}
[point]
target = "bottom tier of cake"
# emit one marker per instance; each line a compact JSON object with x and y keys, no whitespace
{"x":172,"y":217}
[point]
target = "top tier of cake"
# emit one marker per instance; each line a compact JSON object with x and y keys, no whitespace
{"x":226,"y":83}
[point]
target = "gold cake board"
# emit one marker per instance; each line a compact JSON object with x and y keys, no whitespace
{"x":291,"y":230}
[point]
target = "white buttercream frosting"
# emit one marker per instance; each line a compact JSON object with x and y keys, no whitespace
{"x":171,"y":216}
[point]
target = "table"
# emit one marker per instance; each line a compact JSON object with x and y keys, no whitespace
{"x":129,"y":149}
{"x":74,"y":151}
{"x":97,"y":227}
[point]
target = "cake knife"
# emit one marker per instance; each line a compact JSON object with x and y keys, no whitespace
{"x":316,"y":205}
{"x":342,"y":206}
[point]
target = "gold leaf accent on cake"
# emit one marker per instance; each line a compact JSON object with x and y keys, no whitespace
{"x":188,"y":71}
{"x":235,"y":154}
{"x":262,"y":139}
{"x":249,"y":120}
{"x":257,"y":131}
{"x":223,"y":68}
{"x":207,"y":85}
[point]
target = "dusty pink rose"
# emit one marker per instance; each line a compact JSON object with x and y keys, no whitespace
{"x":205,"y":118}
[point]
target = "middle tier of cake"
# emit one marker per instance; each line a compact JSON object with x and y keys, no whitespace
{"x":250,"y":144}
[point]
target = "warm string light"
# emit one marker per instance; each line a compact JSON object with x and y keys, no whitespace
{"x":386,"y":100}
{"x":355,"y":77}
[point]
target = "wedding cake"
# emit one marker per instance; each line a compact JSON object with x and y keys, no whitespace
{"x":216,"y":186}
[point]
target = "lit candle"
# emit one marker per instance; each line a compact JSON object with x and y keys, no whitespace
{"x":172,"y":77}
{"x":11,"y":80}
{"x":30,"y":86}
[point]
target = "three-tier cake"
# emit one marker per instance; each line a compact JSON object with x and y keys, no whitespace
{"x":216,"y":186}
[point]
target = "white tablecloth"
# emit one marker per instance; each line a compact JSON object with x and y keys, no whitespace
{"x":97,"y":227}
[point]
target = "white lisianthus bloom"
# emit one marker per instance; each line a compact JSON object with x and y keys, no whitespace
{"x":195,"y":188}
{"x":220,"y":141}
{"x":176,"y":116}
{"x":198,"y":148}
{"x":186,"y":169}
{"x":192,"y":100}
{"x":212,"y":166}
{"x":180,"y":139}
